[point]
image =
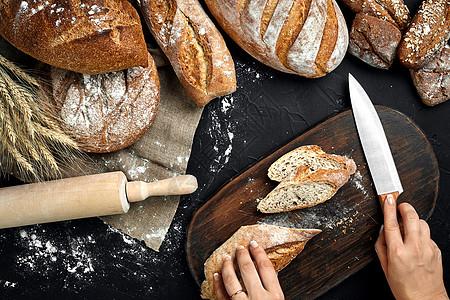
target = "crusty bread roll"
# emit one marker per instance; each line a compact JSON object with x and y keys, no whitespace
{"x":427,"y":35}
{"x":374,"y":40}
{"x":432,"y":81}
{"x":194,"y":46}
{"x":304,"y":37}
{"x":312,"y":156}
{"x":282,"y":245}
{"x":110,"y":111}
{"x":89,"y":37}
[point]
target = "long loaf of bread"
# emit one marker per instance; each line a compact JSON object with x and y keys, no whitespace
{"x":193,"y":45}
{"x":282,"y":245}
{"x":89,"y":37}
{"x":304,"y":37}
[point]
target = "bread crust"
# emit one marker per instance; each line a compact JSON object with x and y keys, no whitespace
{"x":432,"y":81}
{"x":99,"y":37}
{"x":427,"y":35}
{"x":270,"y":237}
{"x":110,"y":111}
{"x":193,"y":45}
{"x":289,"y":42}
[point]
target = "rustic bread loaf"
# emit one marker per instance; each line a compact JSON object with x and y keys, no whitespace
{"x":433,"y":80}
{"x":193,"y":45}
{"x":110,"y":111}
{"x":374,"y":40}
{"x":304,"y":37}
{"x":427,"y":35}
{"x":312,"y":156}
{"x":89,"y":37}
{"x":304,"y":188}
{"x":282,"y":245}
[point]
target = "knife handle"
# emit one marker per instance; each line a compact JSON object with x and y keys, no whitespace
{"x":382,"y":197}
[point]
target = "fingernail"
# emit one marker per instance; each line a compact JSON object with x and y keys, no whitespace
{"x":240,"y":247}
{"x":227,"y":257}
{"x":390,"y":199}
{"x":254,"y":244}
{"x":216,"y":276}
{"x":381,"y":228}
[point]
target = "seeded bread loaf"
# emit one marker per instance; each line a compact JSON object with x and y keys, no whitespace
{"x":304,"y":188}
{"x":304,"y":37}
{"x":311,"y":156}
{"x":89,"y":37}
{"x":432,"y":81}
{"x":427,"y":35}
{"x":193,"y":45}
{"x":282,"y":245}
{"x":110,"y":111}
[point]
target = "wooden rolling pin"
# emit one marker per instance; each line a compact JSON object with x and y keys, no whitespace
{"x":82,"y":197}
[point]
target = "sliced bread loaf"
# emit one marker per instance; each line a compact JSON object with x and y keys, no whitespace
{"x":282,"y":245}
{"x":312,"y":156}
{"x":304,"y":188}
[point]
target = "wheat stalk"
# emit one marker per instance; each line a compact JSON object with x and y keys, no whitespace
{"x":32,"y":142}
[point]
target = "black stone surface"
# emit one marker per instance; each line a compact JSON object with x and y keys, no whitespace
{"x":85,"y":259}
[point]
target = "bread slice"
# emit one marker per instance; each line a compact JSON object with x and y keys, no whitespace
{"x":312,"y":156}
{"x":282,"y":245}
{"x":304,"y":188}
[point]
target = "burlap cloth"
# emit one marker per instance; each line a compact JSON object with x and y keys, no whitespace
{"x":162,"y":152}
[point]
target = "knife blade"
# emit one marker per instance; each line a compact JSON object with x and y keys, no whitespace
{"x":374,"y":143}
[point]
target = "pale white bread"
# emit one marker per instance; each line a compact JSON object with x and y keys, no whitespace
{"x":312,"y":156}
{"x":304,"y":188}
{"x":193,"y":45}
{"x":89,"y":37}
{"x":282,"y":245}
{"x":304,"y":37}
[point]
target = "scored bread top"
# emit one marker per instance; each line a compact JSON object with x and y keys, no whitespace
{"x":304,"y":37}
{"x":89,"y":38}
{"x":312,"y":156}
{"x":281,"y":243}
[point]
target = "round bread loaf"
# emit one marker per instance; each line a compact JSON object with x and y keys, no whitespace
{"x":89,"y":37}
{"x":304,"y":37}
{"x":107,"y":112}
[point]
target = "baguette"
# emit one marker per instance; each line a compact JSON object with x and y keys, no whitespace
{"x":93,"y":38}
{"x":282,"y":245}
{"x":304,"y":37}
{"x":312,"y":156}
{"x":193,"y":45}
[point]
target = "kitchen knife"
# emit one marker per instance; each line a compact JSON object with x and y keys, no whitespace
{"x":374,"y":143}
{"x":82,"y":197}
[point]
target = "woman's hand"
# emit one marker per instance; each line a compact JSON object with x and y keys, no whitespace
{"x":411,"y":260}
{"x":260,"y":283}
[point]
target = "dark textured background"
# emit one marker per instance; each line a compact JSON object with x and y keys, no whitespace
{"x":87,"y":259}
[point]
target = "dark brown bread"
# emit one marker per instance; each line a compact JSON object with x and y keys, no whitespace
{"x":89,"y":37}
{"x":427,"y":35}
{"x":374,"y":40}
{"x":282,"y":245}
{"x":304,"y":37}
{"x":194,"y":46}
{"x":433,"y":80}
{"x":110,"y":111}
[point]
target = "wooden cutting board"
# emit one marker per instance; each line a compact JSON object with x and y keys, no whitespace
{"x":350,"y":220}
